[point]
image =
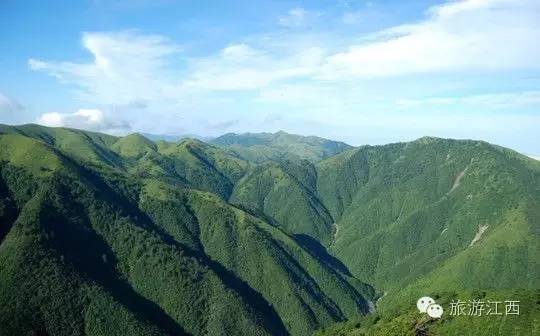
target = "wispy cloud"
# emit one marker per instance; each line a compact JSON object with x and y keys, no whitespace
{"x":242,"y":67}
{"x":467,"y":34}
{"x":126,"y":67}
{"x":297,"y":17}
{"x":11,"y":111}
{"x":337,"y":75}
{"x":477,"y":35}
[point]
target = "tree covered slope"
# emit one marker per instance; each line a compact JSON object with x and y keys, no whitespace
{"x":287,"y":192}
{"x":429,"y":216}
{"x":433,"y":203}
{"x":261,"y":234}
{"x":123,"y":235}
{"x":445,"y":218}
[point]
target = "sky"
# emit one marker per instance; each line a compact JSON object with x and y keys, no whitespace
{"x":364,"y":72}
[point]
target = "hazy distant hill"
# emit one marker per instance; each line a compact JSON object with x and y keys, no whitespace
{"x":261,"y":147}
{"x":175,"y":137}
{"x":261,"y":234}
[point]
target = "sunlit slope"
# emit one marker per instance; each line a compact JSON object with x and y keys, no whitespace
{"x":412,"y":207}
{"x":286,"y":191}
{"x":107,"y":249}
{"x":189,"y":162}
{"x":263,"y":147}
{"x":444,"y":218}
{"x":80,"y":145}
{"x":204,"y":166}
{"x":81,"y":259}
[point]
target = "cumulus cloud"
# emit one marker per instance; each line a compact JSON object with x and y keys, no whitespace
{"x":88,"y":119}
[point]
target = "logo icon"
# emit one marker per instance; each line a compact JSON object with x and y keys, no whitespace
{"x":423,"y":303}
{"x":435,"y":311}
{"x":427,"y":305}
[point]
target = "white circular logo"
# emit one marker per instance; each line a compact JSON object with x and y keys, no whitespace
{"x":423,"y":303}
{"x":434,"y":310}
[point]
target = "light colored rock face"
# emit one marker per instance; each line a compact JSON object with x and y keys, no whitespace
{"x":458,"y":180}
{"x":479,"y":233}
{"x":336,"y":232}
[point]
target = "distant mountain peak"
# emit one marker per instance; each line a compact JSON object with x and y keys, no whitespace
{"x":133,"y":145}
{"x":428,"y":139}
{"x":261,"y":147}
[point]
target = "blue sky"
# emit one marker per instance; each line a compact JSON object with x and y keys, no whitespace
{"x":366,"y":72}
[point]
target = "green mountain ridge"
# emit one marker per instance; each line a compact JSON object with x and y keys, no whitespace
{"x":261,"y":234}
{"x":264,"y":147}
{"x":429,"y":216}
{"x":167,"y":259}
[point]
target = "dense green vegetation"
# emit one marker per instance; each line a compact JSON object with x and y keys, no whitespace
{"x":430,"y":216}
{"x":286,"y":191}
{"x":128,"y":236}
{"x":261,"y":234}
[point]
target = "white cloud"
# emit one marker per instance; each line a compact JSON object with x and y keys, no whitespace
{"x":88,"y":119}
{"x":331,"y":76}
{"x":126,"y":67}
{"x":468,"y":35}
{"x":129,"y":67}
{"x":242,"y":67}
{"x":462,"y":35}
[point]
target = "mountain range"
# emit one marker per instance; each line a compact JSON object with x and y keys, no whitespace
{"x":261,"y":234}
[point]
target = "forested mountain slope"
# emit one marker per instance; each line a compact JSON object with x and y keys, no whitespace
{"x":134,"y":237}
{"x":260,"y":234}
{"x":287,"y":192}
{"x":409,"y":207}
{"x":431,"y":216}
